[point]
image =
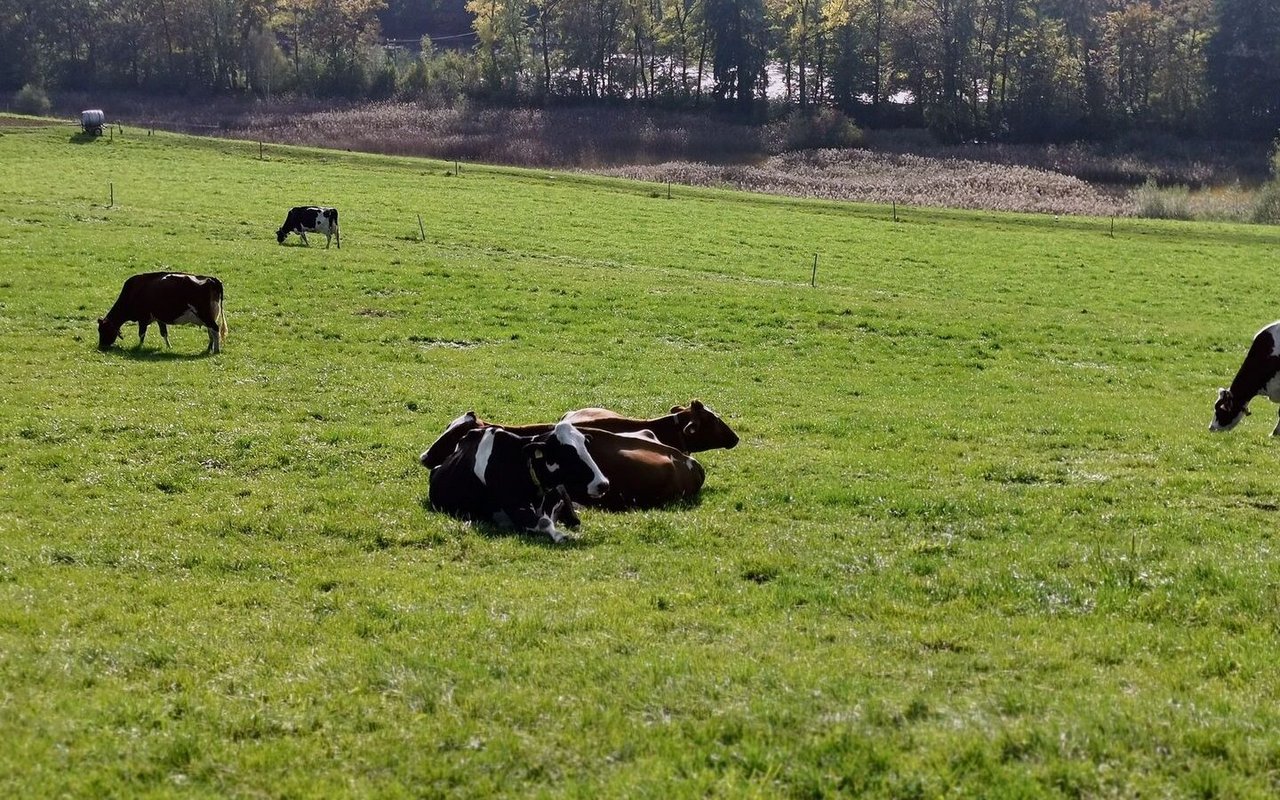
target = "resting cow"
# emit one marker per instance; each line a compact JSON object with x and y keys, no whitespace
{"x":1258,"y":375}
{"x":689,"y":430}
{"x":642,"y":472}
{"x":498,"y":476}
{"x":167,"y":298}
{"x":311,"y":219}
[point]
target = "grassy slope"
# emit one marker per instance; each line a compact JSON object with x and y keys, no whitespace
{"x":976,"y":539}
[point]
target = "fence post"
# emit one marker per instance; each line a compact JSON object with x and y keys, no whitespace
{"x":421,"y":230}
{"x":814,"y":280}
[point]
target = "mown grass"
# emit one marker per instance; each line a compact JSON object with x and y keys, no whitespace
{"x":976,"y":541}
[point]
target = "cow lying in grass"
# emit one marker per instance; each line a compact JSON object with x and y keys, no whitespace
{"x":1258,"y":375}
{"x":524,"y":482}
{"x":642,"y":472}
{"x":646,"y":461}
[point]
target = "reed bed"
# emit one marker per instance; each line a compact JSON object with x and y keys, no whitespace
{"x":1151,"y":176}
{"x":578,"y":137}
{"x":865,"y":176}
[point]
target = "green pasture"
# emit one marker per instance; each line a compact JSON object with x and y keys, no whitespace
{"x":977,"y":540}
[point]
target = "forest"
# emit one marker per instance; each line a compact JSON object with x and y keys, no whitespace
{"x":967,"y":70}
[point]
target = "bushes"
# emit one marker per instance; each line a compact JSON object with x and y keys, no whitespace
{"x":1154,"y":202}
{"x":31,"y":99}
{"x":823,"y":128}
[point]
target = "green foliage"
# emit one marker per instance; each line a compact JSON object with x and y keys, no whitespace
{"x":821,"y":128}
{"x":975,"y":542}
{"x":33,"y":100}
{"x":1162,"y":202}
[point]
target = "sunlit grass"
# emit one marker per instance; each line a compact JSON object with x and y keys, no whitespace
{"x":976,"y":540}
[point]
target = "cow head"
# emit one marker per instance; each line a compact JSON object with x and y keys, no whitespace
{"x":108,"y":332}
{"x":281,"y":235}
{"x":1227,"y":412}
{"x":703,"y":429}
{"x":560,"y":458}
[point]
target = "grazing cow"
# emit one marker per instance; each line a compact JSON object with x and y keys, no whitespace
{"x":167,"y":298}
{"x":689,"y":430}
{"x":311,"y":219}
{"x":522,"y":481}
{"x":642,"y":472}
{"x":1258,"y":375}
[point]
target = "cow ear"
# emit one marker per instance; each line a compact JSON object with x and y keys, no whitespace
{"x":677,"y":409}
{"x":101,"y":320}
{"x":534,"y":451}
{"x":1222,"y":393}
{"x":696,"y":405}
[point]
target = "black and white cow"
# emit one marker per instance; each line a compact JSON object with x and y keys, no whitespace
{"x":167,"y":298}
{"x":311,"y":219}
{"x":521,"y":481}
{"x":1258,"y":375}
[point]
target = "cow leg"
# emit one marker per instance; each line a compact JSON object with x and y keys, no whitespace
{"x":1276,"y":432}
{"x":528,"y":518}
{"x":142,"y":332}
{"x":327,"y":238}
{"x":303,"y":234}
{"x":559,"y":506}
{"x":213,"y":340}
{"x":164,"y":332}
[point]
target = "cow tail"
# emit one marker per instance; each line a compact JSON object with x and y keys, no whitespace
{"x":222,"y":319}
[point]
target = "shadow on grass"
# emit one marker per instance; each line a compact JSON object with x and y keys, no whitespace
{"x":154,"y":354}
{"x":82,"y":137}
{"x":491,"y":530}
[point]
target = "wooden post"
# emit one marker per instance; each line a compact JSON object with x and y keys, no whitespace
{"x":814,"y":280}
{"x":895,"y":210}
{"x":113,"y":195}
{"x":259,"y":151}
{"x":1113,"y":226}
{"x":421,"y":230}
{"x":668,"y":190}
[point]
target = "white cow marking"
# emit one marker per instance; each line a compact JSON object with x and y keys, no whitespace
{"x":568,"y":435}
{"x":482,"y":455}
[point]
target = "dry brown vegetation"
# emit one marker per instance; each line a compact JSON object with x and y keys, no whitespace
{"x":865,"y":176}
{"x":703,"y":150}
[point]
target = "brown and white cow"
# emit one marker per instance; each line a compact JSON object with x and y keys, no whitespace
{"x":1258,"y":375}
{"x":642,"y":472}
{"x":691,"y":429}
{"x":497,"y":476}
{"x":167,"y":298}
{"x":311,"y":219}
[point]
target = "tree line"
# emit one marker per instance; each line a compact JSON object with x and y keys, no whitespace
{"x":1017,"y":70}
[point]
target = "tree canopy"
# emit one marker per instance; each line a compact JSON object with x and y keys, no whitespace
{"x":966,"y":69}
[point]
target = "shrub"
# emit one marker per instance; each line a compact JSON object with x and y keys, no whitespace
{"x":824,"y":128}
{"x":31,"y":99}
{"x":1267,"y":208}
{"x":1155,"y":202}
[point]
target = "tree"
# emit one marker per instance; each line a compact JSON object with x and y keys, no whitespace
{"x":1243,"y":66}
{"x":738,"y":53}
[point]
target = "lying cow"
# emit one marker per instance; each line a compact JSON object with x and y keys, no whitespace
{"x":167,"y":298}
{"x":521,"y":481}
{"x":689,"y":430}
{"x":1258,"y":375}
{"x":311,"y":219}
{"x":642,"y":472}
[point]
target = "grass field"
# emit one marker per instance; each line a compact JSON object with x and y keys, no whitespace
{"x":976,"y":541}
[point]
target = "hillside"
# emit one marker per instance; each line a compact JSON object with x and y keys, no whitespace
{"x":976,"y":539}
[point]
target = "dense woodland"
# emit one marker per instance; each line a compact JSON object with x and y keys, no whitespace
{"x":1012,"y":70}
